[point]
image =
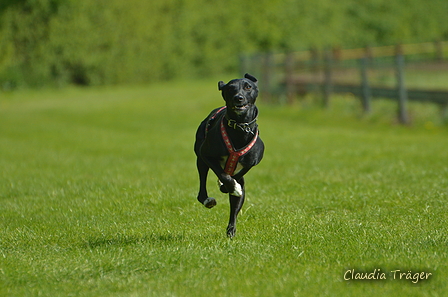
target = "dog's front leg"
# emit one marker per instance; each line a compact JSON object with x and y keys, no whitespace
{"x":203,"y":168}
{"x":236,"y":177}
{"x":229,"y":182}
{"x":236,"y":203}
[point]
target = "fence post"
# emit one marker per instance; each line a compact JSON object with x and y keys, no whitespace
{"x":365,"y":88}
{"x":369,"y":53}
{"x":289,"y":73}
{"x":316,"y":73}
{"x":401,"y":88}
{"x":328,"y":81}
{"x":439,"y":50}
{"x":444,"y":112}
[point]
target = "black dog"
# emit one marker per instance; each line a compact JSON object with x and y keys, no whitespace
{"x":228,"y":142}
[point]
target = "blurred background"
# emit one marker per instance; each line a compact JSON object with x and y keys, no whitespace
{"x":106,"y":42}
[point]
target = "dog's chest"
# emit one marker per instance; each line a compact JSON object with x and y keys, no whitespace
{"x":223,"y":163}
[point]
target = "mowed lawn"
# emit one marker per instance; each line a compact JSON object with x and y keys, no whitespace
{"x":98,"y":198}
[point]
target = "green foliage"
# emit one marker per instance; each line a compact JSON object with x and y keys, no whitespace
{"x":109,"y":42}
{"x":402,"y":21}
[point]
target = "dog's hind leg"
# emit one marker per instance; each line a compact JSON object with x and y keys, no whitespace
{"x":236,"y":203}
{"x":203,"y":168}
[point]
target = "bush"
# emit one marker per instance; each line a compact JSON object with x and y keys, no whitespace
{"x":59,"y":42}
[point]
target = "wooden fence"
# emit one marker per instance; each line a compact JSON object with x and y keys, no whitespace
{"x":347,"y":71}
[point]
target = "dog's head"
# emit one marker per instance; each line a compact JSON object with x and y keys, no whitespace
{"x":239,"y":94}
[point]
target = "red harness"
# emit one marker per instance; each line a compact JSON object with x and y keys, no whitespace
{"x":234,"y":155}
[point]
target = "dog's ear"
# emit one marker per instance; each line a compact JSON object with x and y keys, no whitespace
{"x":221,"y":85}
{"x":251,"y":77}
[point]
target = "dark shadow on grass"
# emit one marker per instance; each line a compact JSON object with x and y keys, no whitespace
{"x":133,"y":239}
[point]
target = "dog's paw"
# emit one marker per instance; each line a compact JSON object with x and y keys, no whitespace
{"x":237,"y":189}
{"x":209,"y":202}
{"x":231,"y":230}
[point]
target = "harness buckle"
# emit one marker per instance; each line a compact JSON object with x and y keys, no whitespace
{"x":248,"y":130}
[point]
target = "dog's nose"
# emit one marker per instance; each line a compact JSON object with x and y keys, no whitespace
{"x":239,"y":97}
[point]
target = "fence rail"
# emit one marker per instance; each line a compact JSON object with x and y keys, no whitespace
{"x":293,"y":73}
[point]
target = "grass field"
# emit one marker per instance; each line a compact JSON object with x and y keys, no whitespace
{"x":98,"y":198}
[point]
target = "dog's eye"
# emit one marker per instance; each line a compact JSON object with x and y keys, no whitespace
{"x":247,"y":87}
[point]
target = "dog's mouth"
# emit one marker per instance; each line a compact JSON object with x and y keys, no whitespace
{"x":240,"y":107}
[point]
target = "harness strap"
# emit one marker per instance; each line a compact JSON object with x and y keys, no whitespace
{"x":234,"y":155}
{"x":213,"y":117}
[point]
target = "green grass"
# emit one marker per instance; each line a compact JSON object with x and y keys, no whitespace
{"x":98,"y":198}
